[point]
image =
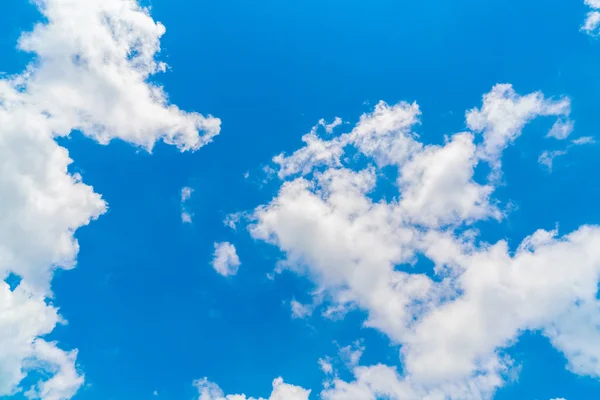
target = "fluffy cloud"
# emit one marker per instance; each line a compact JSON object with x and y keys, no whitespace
{"x":504,"y":113}
{"x":454,"y":326}
{"x":92,"y":60}
{"x":225,"y":259}
{"x":592,"y":20}
{"x":281,"y":391}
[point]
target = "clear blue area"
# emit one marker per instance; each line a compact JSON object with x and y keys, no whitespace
{"x":146,"y":310}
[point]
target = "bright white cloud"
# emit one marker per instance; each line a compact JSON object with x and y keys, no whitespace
{"x":92,"y":61}
{"x":65,"y":381}
{"x":385,"y":134}
{"x":359,"y":252}
{"x":225,"y":259}
{"x":437,"y":186}
{"x":504,"y":114}
{"x":281,"y":391}
{"x":592,"y":20}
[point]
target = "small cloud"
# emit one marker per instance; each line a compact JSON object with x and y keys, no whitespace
{"x":231,"y":220}
{"x":336,"y":312}
{"x":326,"y":366}
{"x":351,"y":354}
{"x":186,"y":193}
{"x":547,"y":157}
{"x":592,"y":20}
{"x":561,"y":129}
{"x":186,"y":217}
{"x":330,"y":127}
{"x":155,"y":393}
{"x":301,"y":311}
{"x":226,"y":261}
{"x":584,"y":140}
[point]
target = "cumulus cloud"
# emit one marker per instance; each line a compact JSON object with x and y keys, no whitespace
{"x":453,"y":326}
{"x":384,"y":135}
{"x":225,"y":259}
{"x":92,"y":62}
{"x":281,"y":391}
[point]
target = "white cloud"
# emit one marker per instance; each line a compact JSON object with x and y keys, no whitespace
{"x":561,"y":129}
{"x":330,"y":127}
{"x":92,"y":60}
{"x":325,"y":366}
{"x":385,"y":134}
{"x":504,"y":114}
{"x":380,"y":381}
{"x":358,"y":251}
{"x":315,"y":152}
{"x":186,"y":194}
{"x":437,"y":186}
{"x":351,"y":354}
{"x":225,"y":260}
{"x":592,"y":21}
{"x":65,"y":381}
{"x":547,"y":157}
{"x":584,"y":140}
{"x":300,"y":310}
{"x":233,"y":219}
{"x":281,"y":391}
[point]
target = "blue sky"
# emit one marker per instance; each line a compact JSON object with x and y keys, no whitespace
{"x":148,"y":308}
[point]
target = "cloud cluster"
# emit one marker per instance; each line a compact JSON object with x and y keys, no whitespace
{"x":281,"y":391}
{"x":454,"y":323}
{"x":90,"y":69}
